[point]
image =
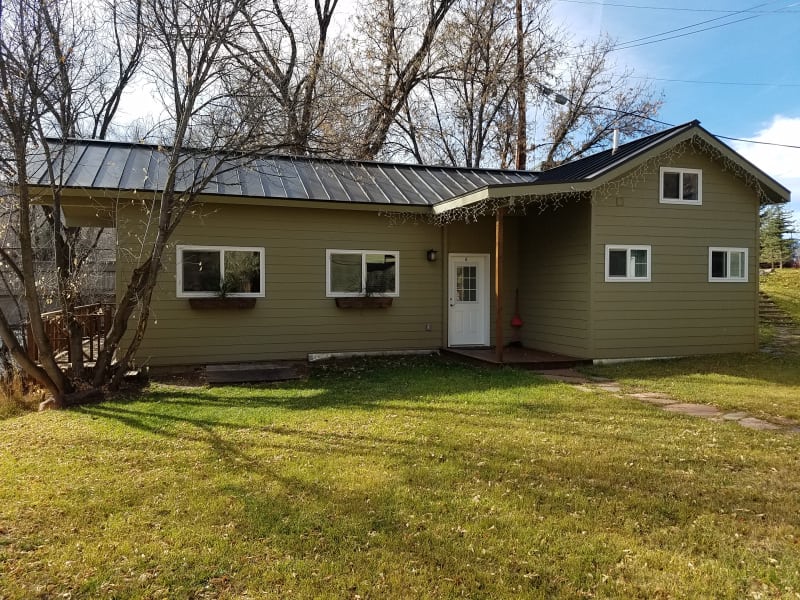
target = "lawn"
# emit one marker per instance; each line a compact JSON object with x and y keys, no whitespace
{"x":413,"y":478}
{"x":764,"y":385}
{"x":783,"y":286}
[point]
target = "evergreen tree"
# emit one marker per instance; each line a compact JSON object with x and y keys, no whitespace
{"x":776,"y":229}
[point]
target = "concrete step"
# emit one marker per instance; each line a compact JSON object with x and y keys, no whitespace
{"x":254,"y":372}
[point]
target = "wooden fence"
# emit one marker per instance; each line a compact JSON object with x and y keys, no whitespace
{"x":95,"y":320}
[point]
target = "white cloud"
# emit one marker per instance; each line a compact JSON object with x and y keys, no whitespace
{"x":781,"y":163}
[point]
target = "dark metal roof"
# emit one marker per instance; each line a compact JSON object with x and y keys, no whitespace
{"x":95,"y":164}
{"x":595,"y":165}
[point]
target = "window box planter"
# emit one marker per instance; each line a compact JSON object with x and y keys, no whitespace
{"x":364,"y":302}
{"x":220,"y":302}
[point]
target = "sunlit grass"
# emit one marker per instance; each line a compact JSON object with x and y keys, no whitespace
{"x":783,"y":286}
{"x":766,"y":385}
{"x":403,"y":479}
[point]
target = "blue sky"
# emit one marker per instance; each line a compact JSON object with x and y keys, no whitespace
{"x":753,"y":43}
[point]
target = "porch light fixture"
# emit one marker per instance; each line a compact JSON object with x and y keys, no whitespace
{"x":431,"y":255}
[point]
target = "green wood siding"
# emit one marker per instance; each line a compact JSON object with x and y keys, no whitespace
{"x":295,"y":318}
{"x":679,"y":312}
{"x":554,"y":279}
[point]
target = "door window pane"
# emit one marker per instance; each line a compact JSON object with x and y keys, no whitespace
{"x":467,"y":283}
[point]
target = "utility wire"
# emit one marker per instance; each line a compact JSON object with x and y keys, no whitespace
{"x":705,"y":82}
{"x":561,"y":99}
{"x":649,"y":39}
{"x":677,"y":9}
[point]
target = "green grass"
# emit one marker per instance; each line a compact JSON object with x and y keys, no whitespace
{"x":764,"y":385}
{"x":783,"y":286}
{"x":404,"y":479}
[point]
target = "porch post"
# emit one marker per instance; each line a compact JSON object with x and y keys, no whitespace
{"x":498,"y":283}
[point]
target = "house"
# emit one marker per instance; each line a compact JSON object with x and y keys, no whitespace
{"x":647,"y":250}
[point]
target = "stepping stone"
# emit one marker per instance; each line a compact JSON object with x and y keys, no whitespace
{"x":654,"y":398}
{"x":695,"y":410}
{"x":734,"y":416}
{"x":758,"y":424}
{"x":611,"y":387}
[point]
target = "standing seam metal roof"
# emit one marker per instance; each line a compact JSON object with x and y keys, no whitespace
{"x":100,"y":164}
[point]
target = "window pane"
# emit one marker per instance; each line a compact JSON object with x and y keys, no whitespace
{"x":346,"y":273}
{"x":242,"y":271}
{"x":617,"y":263}
{"x":467,"y":283}
{"x":719,"y":268}
{"x":201,"y":270}
{"x":690,"y":186}
{"x":639,"y":263}
{"x":381,"y":273}
{"x":671,"y":185}
{"x":737,"y":264}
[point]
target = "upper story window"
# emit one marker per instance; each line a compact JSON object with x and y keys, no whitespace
{"x":681,"y":186}
{"x":627,"y":263}
{"x":220,"y":270}
{"x":362,"y":273}
{"x":727,"y":264}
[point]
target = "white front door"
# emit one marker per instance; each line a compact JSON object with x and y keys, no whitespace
{"x":468,"y":292}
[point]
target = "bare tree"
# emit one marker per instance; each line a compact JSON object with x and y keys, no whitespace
{"x":599,"y":100}
{"x":189,"y":37}
{"x":463,"y":116}
{"x":388,"y":58}
{"x":282,"y":50}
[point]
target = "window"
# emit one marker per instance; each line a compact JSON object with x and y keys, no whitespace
{"x":362,"y":273}
{"x":727,"y":264}
{"x":220,"y":270}
{"x":627,"y":263}
{"x":681,"y":186}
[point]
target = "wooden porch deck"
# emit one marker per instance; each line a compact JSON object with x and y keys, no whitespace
{"x":517,"y":356}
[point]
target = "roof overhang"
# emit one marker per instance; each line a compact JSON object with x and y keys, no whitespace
{"x":506,"y":191}
{"x":773,"y":190}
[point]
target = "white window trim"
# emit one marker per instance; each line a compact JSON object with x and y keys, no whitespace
{"x":331,"y":294}
{"x":727,"y":251}
{"x":680,"y":200}
{"x":628,"y":248}
{"x":179,"y":269}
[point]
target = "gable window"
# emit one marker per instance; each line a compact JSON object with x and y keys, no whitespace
{"x":627,"y":263}
{"x":205,"y":271}
{"x":362,"y":273}
{"x":681,"y":186}
{"x":727,"y":264}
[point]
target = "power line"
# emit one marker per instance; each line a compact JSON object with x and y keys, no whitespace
{"x":693,"y":25}
{"x":561,"y":99}
{"x":649,"y":39}
{"x":677,"y":9}
{"x":705,"y":82}
{"x":735,"y":139}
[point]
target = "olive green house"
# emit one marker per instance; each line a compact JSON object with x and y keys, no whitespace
{"x":646,"y":250}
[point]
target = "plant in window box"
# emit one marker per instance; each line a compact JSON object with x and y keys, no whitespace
{"x":242,"y":276}
{"x":373,"y":297}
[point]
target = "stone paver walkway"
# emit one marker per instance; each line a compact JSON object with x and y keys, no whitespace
{"x":667,"y":403}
